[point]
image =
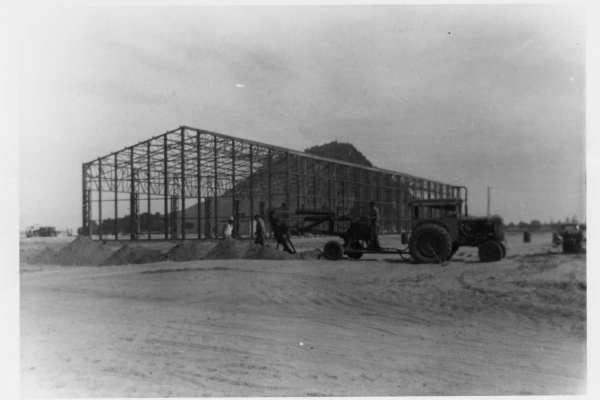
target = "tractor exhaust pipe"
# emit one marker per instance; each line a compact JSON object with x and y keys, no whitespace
{"x":458,"y":188}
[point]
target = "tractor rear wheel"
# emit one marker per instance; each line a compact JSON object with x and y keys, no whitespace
{"x":333,"y":250}
{"x":355,"y":246}
{"x":490,"y":251}
{"x":430,"y":243}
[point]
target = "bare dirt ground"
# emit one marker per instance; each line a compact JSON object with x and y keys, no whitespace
{"x":301,"y":326}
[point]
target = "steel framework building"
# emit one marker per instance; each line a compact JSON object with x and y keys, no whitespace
{"x":194,"y":180}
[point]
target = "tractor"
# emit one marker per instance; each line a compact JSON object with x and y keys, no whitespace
{"x":439,"y":228}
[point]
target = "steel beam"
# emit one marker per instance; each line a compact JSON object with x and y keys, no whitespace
{"x":149,"y":216}
{"x":182,"y":184}
{"x":166,"y":186}
{"x":116,"y":198}
{"x":199,"y":183}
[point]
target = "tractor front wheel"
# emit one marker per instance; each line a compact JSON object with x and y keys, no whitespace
{"x":430,"y":244}
{"x":333,"y":250}
{"x":490,"y":251}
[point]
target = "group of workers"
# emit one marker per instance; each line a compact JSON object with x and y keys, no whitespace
{"x":260,"y":230}
{"x":281,"y":231}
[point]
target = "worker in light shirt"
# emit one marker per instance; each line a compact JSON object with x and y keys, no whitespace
{"x":228,"y":229}
{"x":374,"y":219}
{"x":260,"y":230}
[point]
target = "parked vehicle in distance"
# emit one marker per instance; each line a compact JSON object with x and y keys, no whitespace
{"x":40,"y":231}
{"x":570,"y":236}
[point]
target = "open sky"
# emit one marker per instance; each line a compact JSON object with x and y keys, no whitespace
{"x":475,"y":95}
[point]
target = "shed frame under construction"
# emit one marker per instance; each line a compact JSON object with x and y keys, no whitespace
{"x":225,"y":177}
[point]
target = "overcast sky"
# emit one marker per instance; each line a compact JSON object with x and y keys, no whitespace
{"x":481,"y":96}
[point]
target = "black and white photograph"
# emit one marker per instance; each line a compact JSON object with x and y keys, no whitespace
{"x":350,"y":199}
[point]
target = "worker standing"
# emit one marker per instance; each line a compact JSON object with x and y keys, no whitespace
{"x":280,"y":232}
{"x":374,"y":219}
{"x":260,"y":231}
{"x":228,"y":229}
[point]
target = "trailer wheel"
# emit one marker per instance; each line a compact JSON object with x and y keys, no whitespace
{"x":333,"y":250}
{"x":430,"y":243}
{"x":355,"y":246}
{"x":490,"y":251}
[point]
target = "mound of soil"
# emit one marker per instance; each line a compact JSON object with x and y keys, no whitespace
{"x":187,"y":251}
{"x":256,"y":252}
{"x":44,"y":256}
{"x":227,"y":250}
{"x":129,"y":254}
{"x":82,"y":251}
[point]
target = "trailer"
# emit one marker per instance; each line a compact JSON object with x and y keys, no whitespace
{"x":357,"y":239}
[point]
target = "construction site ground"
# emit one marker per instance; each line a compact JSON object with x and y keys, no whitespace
{"x":237,"y":321}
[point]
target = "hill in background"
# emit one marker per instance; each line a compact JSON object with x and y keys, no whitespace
{"x":340,"y":151}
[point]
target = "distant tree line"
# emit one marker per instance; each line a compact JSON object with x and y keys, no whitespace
{"x":536,"y":225}
{"x":156,"y":223}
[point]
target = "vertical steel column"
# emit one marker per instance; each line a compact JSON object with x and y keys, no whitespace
{"x":345,"y":186}
{"x":100,"y":198}
{"x":287,"y":186}
{"x":379,"y":183}
{"x":251,"y":189}
{"x":182,"y":183}
{"x":304,"y":188}
{"x":315,"y":164}
{"x":84,"y":199}
{"x":369,"y":184}
{"x":398,"y":205}
{"x":357,"y":199}
{"x":269,"y":186}
{"x":116,"y":199}
{"x":297,"y":183}
{"x":269,"y":178}
{"x":166,"y":186}
{"x":199,"y":181}
{"x":216,"y":218}
{"x":132,"y":198}
{"x":89,"y":214}
{"x":234,"y":213}
{"x":149,"y":216}
{"x":329,"y":183}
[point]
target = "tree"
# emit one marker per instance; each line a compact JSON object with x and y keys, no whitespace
{"x":523,"y":225}
{"x":535,"y":225}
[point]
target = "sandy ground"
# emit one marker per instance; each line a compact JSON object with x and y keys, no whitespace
{"x":368,"y":327}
